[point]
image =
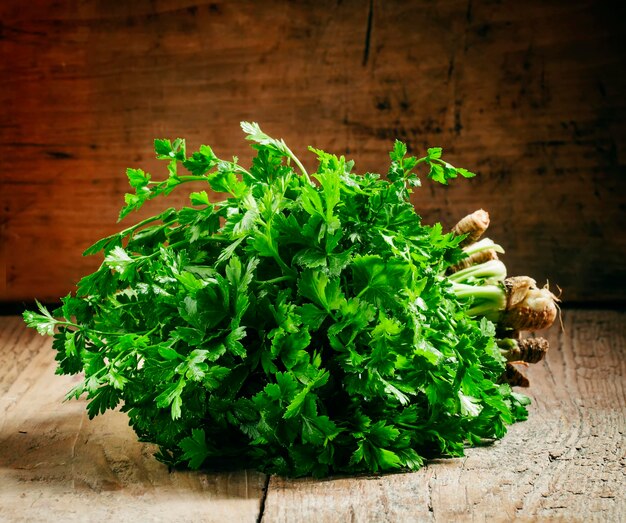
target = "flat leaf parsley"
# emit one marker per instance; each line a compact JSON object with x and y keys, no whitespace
{"x":303,"y":324}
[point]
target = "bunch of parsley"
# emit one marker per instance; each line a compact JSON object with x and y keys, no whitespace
{"x":305,"y":327}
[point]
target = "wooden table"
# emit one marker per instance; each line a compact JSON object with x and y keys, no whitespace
{"x":567,"y":462}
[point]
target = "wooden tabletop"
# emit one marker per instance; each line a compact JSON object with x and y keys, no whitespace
{"x":567,"y":462}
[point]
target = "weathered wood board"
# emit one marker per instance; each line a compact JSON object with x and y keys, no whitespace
{"x":528,"y":94}
{"x":566,"y":463}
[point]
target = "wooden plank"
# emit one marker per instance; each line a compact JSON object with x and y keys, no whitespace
{"x":56,"y":465}
{"x":565,"y":463}
{"x":528,"y":94}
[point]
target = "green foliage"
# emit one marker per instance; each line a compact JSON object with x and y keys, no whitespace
{"x":303,"y":324}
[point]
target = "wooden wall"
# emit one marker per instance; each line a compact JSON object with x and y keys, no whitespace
{"x":531,"y":95}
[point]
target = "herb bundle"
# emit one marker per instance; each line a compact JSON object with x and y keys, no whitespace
{"x":303,"y":325}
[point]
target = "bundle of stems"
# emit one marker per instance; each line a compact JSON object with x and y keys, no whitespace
{"x":515,"y":304}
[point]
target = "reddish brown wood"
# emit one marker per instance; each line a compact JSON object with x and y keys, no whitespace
{"x":528,"y":94}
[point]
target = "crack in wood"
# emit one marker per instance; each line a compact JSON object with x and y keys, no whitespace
{"x":266,"y":489}
{"x":431,"y":508}
{"x":368,"y":33}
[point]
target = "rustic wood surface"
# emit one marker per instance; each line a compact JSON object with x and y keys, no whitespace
{"x":528,"y":94}
{"x":566,"y":463}
{"x":56,"y":465}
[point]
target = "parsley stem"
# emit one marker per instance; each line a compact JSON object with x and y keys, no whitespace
{"x":133,"y":228}
{"x":298,"y":163}
{"x":492,"y":270}
{"x":68,"y":324}
{"x":290,"y":272}
{"x":277,"y":280}
{"x":362,"y":291}
{"x":407,"y":425}
{"x":183,"y":179}
{"x":489,"y":300}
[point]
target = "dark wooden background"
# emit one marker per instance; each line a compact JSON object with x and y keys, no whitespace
{"x":531,"y":95}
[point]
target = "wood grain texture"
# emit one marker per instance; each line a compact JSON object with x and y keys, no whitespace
{"x":566,"y":463}
{"x":56,"y":465}
{"x":528,"y":94}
